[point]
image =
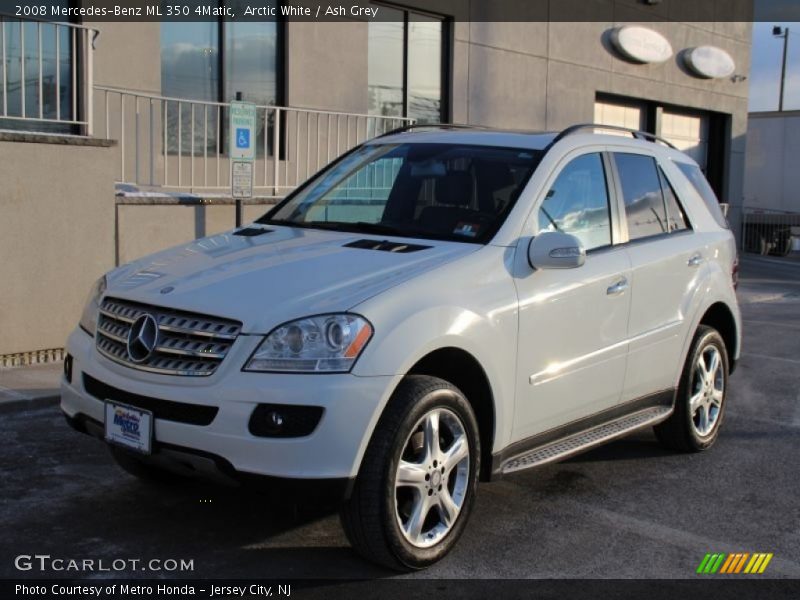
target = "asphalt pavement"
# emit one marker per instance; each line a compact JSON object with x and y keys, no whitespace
{"x":627,"y":510}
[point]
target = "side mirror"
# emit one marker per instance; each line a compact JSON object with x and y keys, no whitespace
{"x":555,"y":250}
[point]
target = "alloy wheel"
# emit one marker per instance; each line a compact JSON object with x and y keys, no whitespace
{"x":432,"y":478}
{"x":707,"y":390}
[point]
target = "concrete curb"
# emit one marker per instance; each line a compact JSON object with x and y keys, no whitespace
{"x":13,"y":405}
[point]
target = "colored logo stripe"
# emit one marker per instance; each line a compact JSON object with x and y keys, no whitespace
{"x":728,"y":562}
{"x":756,"y":563}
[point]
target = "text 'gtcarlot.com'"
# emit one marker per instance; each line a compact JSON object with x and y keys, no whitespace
{"x":45,"y":562}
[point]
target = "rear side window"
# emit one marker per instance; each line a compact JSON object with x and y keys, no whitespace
{"x":641,"y":190}
{"x":700,"y":184}
{"x":676,"y":218}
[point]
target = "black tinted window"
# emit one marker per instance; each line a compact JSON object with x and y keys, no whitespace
{"x":700,"y":184}
{"x":676,"y":218}
{"x":578,"y":203}
{"x":641,"y":190}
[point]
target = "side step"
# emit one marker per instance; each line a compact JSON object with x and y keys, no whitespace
{"x":585,"y":440}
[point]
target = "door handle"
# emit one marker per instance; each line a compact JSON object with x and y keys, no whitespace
{"x":619,"y":287}
{"x":695,"y":261}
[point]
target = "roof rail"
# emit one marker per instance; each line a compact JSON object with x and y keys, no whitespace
{"x":429,"y":126}
{"x":639,"y":135}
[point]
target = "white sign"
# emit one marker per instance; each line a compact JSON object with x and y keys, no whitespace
{"x":641,"y":44}
{"x":130,"y":427}
{"x":709,"y":62}
{"x":242,"y":179}
{"x":242,"y":131}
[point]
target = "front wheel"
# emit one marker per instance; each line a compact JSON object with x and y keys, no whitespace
{"x":417,"y":482}
{"x":700,"y":402}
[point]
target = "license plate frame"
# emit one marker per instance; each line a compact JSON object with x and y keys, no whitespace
{"x":128,"y":427}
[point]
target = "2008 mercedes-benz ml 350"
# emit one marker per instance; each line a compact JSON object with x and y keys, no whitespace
{"x":438,"y":306}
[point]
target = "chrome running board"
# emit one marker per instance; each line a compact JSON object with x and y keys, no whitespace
{"x":585,"y":440}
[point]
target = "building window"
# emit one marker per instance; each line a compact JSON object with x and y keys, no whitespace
{"x":218,"y":61}
{"x":407,"y":65}
{"x":37,"y":92}
{"x":190,"y":60}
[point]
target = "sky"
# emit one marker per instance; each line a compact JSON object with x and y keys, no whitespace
{"x":765,"y":69}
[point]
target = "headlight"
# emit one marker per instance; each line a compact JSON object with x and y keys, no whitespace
{"x":321,"y":344}
{"x":92,"y":307}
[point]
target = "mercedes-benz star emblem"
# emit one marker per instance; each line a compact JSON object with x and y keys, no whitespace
{"x":142,"y":338}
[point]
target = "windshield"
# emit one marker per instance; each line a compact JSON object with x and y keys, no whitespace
{"x":435,"y":191}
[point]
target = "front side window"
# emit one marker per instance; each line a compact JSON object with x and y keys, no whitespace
{"x":437,"y":191}
{"x":641,"y":191}
{"x":405,"y":67}
{"x":578,"y":203}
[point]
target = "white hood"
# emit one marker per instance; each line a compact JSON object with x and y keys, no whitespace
{"x":269,"y":279}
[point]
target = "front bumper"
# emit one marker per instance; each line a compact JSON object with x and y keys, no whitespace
{"x":332,"y":451}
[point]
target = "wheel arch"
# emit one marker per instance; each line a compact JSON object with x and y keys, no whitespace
{"x":463,"y":370}
{"x":719,"y":316}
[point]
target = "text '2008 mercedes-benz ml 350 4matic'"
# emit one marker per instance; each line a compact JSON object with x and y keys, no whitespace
{"x":439,"y":306}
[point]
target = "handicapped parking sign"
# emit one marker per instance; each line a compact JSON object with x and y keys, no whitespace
{"x":242,"y":124}
{"x":242,"y":138}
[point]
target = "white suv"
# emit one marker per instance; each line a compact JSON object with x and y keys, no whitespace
{"x":440,"y":305}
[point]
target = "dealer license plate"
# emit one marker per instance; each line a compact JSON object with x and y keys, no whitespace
{"x":129,"y":427}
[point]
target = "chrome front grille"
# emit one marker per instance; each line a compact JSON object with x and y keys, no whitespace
{"x":187,"y":344}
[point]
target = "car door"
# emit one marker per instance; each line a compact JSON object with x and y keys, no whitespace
{"x":572,"y":347}
{"x":666,"y":261}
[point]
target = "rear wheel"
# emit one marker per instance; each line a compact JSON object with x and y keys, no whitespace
{"x":700,"y":403}
{"x":417,"y":482}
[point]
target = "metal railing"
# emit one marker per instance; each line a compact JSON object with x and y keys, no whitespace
{"x":181,"y":145}
{"x":46,"y":75}
{"x":766,"y":231}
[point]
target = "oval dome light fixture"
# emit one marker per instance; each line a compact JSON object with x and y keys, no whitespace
{"x":709,"y":62}
{"x":641,"y":44}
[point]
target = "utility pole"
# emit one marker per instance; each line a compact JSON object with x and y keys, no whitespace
{"x":782,"y":32}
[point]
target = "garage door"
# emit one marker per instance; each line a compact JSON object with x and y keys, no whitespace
{"x":619,"y":115}
{"x":689,"y":133}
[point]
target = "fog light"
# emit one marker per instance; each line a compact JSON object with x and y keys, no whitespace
{"x":275,"y":419}
{"x":284,"y":421}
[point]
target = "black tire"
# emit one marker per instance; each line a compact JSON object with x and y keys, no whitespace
{"x":142,"y":470}
{"x":369,"y":516}
{"x":680,"y":431}
{"x":783,"y":247}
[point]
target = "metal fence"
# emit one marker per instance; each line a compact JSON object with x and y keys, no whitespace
{"x":773,"y":232}
{"x":45,"y":75}
{"x":181,"y":145}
